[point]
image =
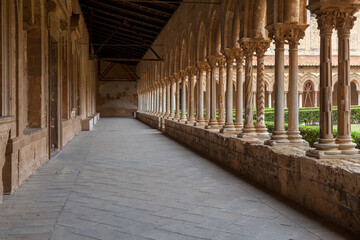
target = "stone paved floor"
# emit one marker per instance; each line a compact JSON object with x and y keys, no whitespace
{"x":126,"y":181}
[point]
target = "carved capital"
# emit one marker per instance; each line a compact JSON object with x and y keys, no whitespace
{"x":230,"y":55}
{"x":251,"y":45}
{"x":202,"y":66}
{"x":183,"y":74}
{"x":192,"y":70}
{"x":345,"y":20}
{"x":215,"y":60}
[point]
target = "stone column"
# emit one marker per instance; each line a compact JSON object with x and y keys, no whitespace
{"x":279,"y":135}
{"x":172,"y":100}
{"x":213,"y":123}
{"x":192,"y":71}
{"x":229,"y":125}
{"x":177,"y":100}
{"x":260,"y":84}
{"x":221,"y":64}
{"x":168,"y":98}
{"x":239,"y":90}
{"x":200,"y":121}
{"x":157,"y":90}
{"x":207,"y":95}
{"x":344,"y":22}
{"x":300,"y":99}
{"x":298,"y":32}
{"x":326,"y":142}
{"x":269,"y":99}
{"x":358,"y":92}
{"x":249,"y":49}
{"x":183,"y":117}
{"x":163,"y":98}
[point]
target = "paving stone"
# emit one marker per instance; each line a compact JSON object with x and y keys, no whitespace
{"x":126,"y":181}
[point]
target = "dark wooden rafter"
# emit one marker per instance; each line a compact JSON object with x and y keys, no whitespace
{"x":127,"y":71}
{"x":126,"y":14}
{"x":124,"y":30}
{"x":107,"y":70}
{"x":146,"y":24}
{"x":130,"y":59}
{"x":143,"y":40}
{"x":110,"y":36}
{"x":111,"y":22}
{"x":146,"y":9}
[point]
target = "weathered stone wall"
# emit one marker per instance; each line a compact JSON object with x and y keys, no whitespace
{"x":331,"y":188}
{"x":70,"y":128}
{"x":117,"y":98}
{"x":50,"y":83}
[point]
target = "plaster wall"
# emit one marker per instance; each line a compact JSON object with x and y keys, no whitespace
{"x":117,"y":98}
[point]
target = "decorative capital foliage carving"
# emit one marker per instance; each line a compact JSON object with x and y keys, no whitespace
{"x":251,"y":45}
{"x":203,"y":66}
{"x":290,"y":33}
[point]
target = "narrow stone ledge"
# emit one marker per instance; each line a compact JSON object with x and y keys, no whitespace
{"x":331,"y":188}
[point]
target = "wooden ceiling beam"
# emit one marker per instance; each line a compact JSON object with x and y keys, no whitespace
{"x":143,"y":8}
{"x":124,"y":13}
{"x":109,"y":21}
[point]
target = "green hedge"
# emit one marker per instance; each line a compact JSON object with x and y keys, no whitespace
{"x":312,"y":133}
{"x":311,"y":116}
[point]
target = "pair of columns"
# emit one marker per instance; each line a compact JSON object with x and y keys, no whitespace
{"x":291,"y":34}
{"x":251,"y":46}
{"x":342,"y":20}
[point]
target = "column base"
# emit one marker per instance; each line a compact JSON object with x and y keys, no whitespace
{"x":239,"y":126}
{"x":346,"y":146}
{"x":279,"y":137}
{"x":213,"y":124}
{"x":248,"y":131}
{"x":320,"y":154}
{"x":294,"y":136}
{"x":200,"y":123}
{"x":182,"y":120}
{"x":227,"y":128}
{"x":190,"y":122}
{"x":261,"y":129}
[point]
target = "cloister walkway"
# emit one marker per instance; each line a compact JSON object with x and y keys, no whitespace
{"x":125,"y":180}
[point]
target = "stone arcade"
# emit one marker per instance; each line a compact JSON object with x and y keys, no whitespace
{"x":183,"y":68}
{"x":216,"y":48}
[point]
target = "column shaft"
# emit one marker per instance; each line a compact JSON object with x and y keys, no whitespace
{"x":208,"y":95}
{"x":249,"y":128}
{"x":192,"y":78}
{"x":183,"y":99}
{"x":172,"y":99}
{"x":260,"y":93}
{"x":177,"y":115}
{"x":279,"y":134}
{"x":293,"y":96}
{"x":239,"y":93}
{"x":229,"y":124}
{"x":200,"y":121}
{"x":221,"y":120}
{"x":343,"y":137}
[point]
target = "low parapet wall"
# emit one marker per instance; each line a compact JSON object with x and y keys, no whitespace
{"x":331,"y":188}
